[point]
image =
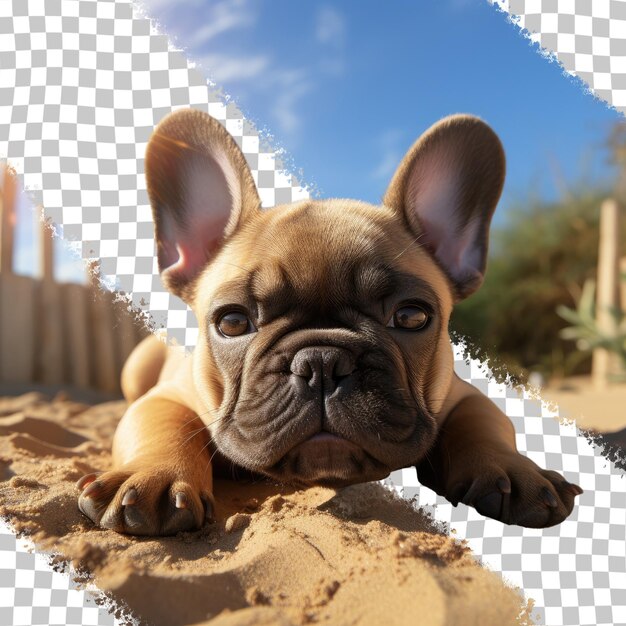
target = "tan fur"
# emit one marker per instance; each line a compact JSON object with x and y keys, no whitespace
{"x":164,"y":443}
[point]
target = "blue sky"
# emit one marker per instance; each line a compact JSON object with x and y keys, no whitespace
{"x":346,"y":87}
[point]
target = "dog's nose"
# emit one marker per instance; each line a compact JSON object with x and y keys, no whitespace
{"x":323,"y":366}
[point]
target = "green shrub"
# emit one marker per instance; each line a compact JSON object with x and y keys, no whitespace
{"x":539,"y":261}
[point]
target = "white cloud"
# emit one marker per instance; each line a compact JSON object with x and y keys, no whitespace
{"x":231,"y":61}
{"x":217,"y":18}
{"x":289,"y":87}
{"x":330,"y":27}
{"x":262,"y":75}
{"x":226,"y":68}
{"x":224,"y":17}
{"x":390,"y":154}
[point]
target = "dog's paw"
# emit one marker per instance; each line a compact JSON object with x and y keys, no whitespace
{"x":159,"y":500}
{"x":514,"y":490}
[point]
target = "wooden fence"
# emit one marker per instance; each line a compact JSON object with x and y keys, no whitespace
{"x":57,"y":334}
{"x":610,"y":292}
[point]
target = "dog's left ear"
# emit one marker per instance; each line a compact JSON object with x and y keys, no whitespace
{"x":201,"y":192}
{"x":447,"y":188}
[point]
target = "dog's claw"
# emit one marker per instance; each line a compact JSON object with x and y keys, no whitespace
{"x":457,"y":493}
{"x":548,"y":497}
{"x":149,"y":501}
{"x":512,"y":489}
{"x":490,"y":505}
{"x":89,"y":507}
{"x":503,"y":484}
{"x":575,"y":490}
{"x":133,"y":518}
{"x":92,"y":489}
{"x":130,"y":497}
{"x":87,"y":479}
{"x":209,"y":507}
{"x":467,"y":500}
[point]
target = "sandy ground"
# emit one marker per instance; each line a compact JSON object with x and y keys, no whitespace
{"x":601,"y":410}
{"x":274,"y":556}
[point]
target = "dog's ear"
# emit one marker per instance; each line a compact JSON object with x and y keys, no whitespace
{"x":201,"y":190}
{"x":447,"y":188}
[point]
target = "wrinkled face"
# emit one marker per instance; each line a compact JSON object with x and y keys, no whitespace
{"x":324,"y":345}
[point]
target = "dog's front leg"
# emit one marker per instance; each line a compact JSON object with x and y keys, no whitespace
{"x":161,"y":481}
{"x":475,"y":461}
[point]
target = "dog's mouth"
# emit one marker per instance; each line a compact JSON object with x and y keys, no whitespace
{"x":329,"y":460}
{"x":304,"y":433}
{"x":343,"y":444}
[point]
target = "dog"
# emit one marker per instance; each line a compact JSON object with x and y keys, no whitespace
{"x":323,"y":355}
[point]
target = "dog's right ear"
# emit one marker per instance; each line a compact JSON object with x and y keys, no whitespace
{"x":201,"y":190}
{"x":446,"y":188}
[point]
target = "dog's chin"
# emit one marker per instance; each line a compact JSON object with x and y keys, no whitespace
{"x":327,"y":460}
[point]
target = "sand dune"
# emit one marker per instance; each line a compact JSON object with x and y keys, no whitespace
{"x":275,"y":556}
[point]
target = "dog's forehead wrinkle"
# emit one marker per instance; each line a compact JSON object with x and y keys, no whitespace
{"x":233,"y":289}
{"x":327,"y":287}
{"x":271,"y":285}
{"x":374,"y":281}
{"x":352,"y":234}
{"x":280,"y":265}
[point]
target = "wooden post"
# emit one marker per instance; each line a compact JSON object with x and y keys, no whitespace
{"x":51,"y":368}
{"x":17,"y":296}
{"x":622,"y":269}
{"x":46,"y":249}
{"x":76,"y":333}
{"x":8,"y":192}
{"x":603,"y":363}
{"x":17,"y":325}
{"x":103,"y":334}
{"x":126,"y":331}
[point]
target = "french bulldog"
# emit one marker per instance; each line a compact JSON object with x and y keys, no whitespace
{"x":323,"y":354}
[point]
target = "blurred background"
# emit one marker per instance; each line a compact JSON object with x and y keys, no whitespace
{"x":59,"y":331}
{"x":345,"y":88}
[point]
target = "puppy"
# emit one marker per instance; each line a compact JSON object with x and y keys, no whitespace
{"x":323,"y":354}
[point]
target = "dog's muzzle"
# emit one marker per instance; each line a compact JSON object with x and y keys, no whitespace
{"x":320,"y":370}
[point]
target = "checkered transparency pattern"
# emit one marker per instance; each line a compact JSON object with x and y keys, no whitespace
{"x":588,"y":37}
{"x":31,"y":592}
{"x":575,"y":572}
{"x":82,"y":85}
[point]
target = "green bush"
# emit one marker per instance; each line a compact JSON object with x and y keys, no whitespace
{"x":539,"y":261}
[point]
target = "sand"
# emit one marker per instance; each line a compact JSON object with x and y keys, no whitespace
{"x":602,"y":410}
{"x":274,"y":556}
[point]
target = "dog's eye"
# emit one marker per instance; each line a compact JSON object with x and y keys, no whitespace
{"x":234,"y":324}
{"x":409,"y":317}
